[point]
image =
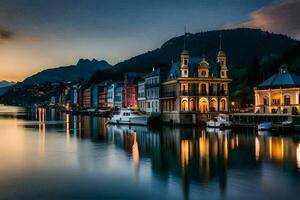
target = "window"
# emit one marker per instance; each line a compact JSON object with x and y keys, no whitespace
{"x":223,"y":105}
{"x":203,"y":89}
{"x":266,"y":102}
{"x":276,"y":102}
{"x":287,"y":100}
{"x":203,"y":73}
{"x":148,"y":105}
{"x":126,"y":114}
{"x":184,"y":105}
{"x":185,"y":62}
{"x":222,"y":74}
{"x":185,"y":72}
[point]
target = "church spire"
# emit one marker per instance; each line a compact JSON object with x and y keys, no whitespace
{"x":185,"y":56}
{"x":184,"y":38}
{"x":220,"y":42}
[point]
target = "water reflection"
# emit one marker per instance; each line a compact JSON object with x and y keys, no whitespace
{"x":189,"y":160}
{"x":298,"y":156}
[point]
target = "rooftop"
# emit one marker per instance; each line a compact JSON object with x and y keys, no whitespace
{"x":283,"y":79}
{"x":193,"y":66}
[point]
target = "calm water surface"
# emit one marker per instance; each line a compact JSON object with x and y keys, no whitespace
{"x":49,"y":155}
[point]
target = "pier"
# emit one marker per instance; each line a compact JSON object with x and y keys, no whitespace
{"x":252,"y":119}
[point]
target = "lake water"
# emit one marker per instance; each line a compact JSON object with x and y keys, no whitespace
{"x":50,"y":155}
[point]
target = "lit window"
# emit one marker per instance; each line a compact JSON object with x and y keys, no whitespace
{"x":266,"y":102}
{"x":287,"y":100}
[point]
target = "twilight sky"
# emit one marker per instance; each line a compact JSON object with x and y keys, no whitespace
{"x":40,"y":34}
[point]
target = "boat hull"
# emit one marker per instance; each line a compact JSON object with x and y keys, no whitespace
{"x":129,"y":121}
{"x":213,"y":124}
{"x":265,"y":126}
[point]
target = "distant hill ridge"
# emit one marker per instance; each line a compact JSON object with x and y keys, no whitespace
{"x":82,"y":70}
{"x":5,"y":83}
{"x":244,"y":48}
{"x":252,"y":56}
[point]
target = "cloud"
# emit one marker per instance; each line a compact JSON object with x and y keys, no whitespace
{"x":281,"y":17}
{"x":5,"y":35}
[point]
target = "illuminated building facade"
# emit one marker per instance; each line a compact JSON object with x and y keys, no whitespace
{"x":141,"y":96}
{"x":278,"y":94}
{"x":130,"y":90}
{"x":194,"y":87}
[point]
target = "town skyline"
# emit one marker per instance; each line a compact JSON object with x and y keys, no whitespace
{"x":83,"y":34}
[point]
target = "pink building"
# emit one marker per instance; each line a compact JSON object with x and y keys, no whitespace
{"x":130,"y":90}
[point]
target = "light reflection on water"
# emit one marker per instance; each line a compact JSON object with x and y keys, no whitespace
{"x":46,"y":154}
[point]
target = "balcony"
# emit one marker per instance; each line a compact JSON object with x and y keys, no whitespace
{"x":202,"y":93}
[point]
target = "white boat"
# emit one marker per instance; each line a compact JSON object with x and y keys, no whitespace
{"x":222,"y":121}
{"x":128,"y":116}
{"x":265,"y":126}
{"x":287,"y":123}
{"x":211,"y":130}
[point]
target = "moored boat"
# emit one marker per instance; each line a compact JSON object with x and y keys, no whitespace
{"x":265,"y":126}
{"x":128,"y":116}
{"x":221,"y":121}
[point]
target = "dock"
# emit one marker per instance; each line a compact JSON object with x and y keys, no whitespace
{"x":253,"y":119}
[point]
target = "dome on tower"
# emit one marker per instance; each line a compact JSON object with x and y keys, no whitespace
{"x":185,"y":52}
{"x":221,"y":54}
{"x":203,"y":63}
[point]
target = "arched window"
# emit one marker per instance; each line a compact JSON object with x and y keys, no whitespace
{"x":287,"y":100}
{"x":266,"y":101}
{"x":203,"y":105}
{"x":213,"y":105}
{"x":184,"y":105}
{"x":203,"y":73}
{"x":185,"y":62}
{"x":275,"y":100}
{"x":192,"y":105}
{"x":223,"y":105}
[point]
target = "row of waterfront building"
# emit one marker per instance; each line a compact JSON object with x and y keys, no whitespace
{"x":181,"y":92}
{"x":188,"y":92}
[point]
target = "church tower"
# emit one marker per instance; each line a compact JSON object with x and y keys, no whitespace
{"x":185,"y":56}
{"x":184,"y":68}
{"x":221,"y":59}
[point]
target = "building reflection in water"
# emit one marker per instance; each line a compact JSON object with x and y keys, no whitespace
{"x":67,"y":128}
{"x":135,"y":155}
{"x":41,"y":117}
{"x":196,"y":156}
{"x":275,"y":148}
{"x":257,"y":148}
{"x":298,"y":156}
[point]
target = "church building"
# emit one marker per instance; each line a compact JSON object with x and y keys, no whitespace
{"x":195,"y":88}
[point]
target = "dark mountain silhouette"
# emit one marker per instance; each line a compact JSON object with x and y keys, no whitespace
{"x":5,"y":83}
{"x":82,"y":70}
{"x":253,"y":55}
{"x":247,"y":52}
